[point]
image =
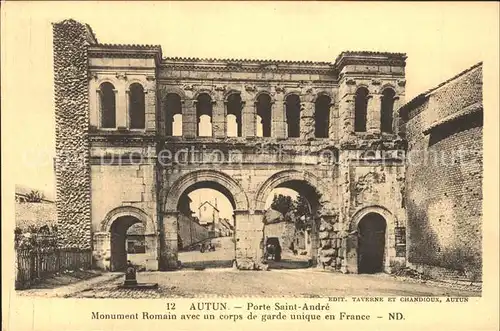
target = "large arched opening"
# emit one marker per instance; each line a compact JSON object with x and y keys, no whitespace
{"x":292,"y":202}
{"x":204,"y":203}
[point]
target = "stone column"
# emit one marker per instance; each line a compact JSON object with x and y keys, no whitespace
{"x":168,"y":242}
{"x":248,"y":119}
{"x":373,"y":114}
{"x":249,"y":234}
{"x":219,"y":126}
{"x":307,"y":120}
{"x":121,"y":109}
{"x":189,"y":120}
{"x":333,"y":129}
{"x":278,"y":126}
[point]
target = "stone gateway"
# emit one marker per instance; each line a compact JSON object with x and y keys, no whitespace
{"x":136,"y":132}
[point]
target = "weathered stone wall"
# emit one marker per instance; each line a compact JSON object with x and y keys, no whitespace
{"x":283,"y":230}
{"x":72,"y":123}
{"x":150,"y":192}
{"x":444,"y":179}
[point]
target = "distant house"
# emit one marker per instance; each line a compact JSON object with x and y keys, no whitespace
{"x":226,"y":228}
{"x":208,"y":214}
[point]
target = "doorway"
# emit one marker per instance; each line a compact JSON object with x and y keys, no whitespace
{"x":119,"y":230}
{"x":371,"y":245}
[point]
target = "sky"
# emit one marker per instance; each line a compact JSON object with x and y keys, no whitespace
{"x":440,"y":39}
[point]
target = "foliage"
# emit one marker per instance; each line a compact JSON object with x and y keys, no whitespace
{"x":34,"y":196}
{"x":36,"y":238}
{"x":283,"y":203}
{"x":299,"y":207}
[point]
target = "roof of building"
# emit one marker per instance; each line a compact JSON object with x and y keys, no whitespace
{"x":262,"y":61}
{"x":419,"y":99}
{"x":208,"y":202}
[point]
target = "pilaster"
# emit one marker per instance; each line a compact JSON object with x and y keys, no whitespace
{"x":278,"y":126}
{"x":248,"y":119}
{"x":307,"y":120}
{"x":168,"y":242}
{"x":373,"y":114}
{"x":219,"y":124}
{"x":189,"y":120}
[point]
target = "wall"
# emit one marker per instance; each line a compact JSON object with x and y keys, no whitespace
{"x":444,"y":181}
{"x":35,"y":214}
{"x":283,"y":230}
{"x":190,"y":232}
{"x":72,"y":165}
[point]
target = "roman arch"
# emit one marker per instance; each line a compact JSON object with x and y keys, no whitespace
{"x":301,"y":124}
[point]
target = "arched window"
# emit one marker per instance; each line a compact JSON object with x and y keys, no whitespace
{"x":137,"y":111}
{"x":360,"y":109}
{"x":386,"y":111}
{"x":108,"y":105}
{"x":233,"y":118}
{"x":292,"y":104}
{"x":322,"y":116}
{"x":204,"y":115}
{"x":173,"y":115}
{"x":264,"y":116}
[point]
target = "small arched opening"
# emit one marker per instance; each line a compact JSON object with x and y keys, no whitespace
{"x":107,"y":105}
{"x":292,"y":105}
{"x":204,"y":115}
{"x":234,"y":108}
{"x":360,"y":109}
{"x":371,"y":243}
{"x":322,"y":116}
{"x":387,"y":109}
{"x":119,"y":232}
{"x":137,"y":111}
{"x":264,"y":114}
{"x":173,"y":115}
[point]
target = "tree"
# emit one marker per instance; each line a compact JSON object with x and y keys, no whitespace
{"x":302,"y":206}
{"x":34,"y":196}
{"x":283,"y":203}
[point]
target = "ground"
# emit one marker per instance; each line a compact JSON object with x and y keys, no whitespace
{"x":290,"y":278}
{"x":224,"y":282}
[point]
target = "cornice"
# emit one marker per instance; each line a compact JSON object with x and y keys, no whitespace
{"x":126,"y":51}
{"x":369,"y":58}
{"x":113,"y":137}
